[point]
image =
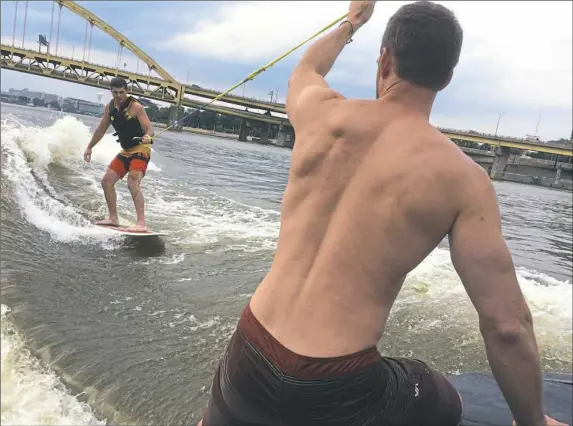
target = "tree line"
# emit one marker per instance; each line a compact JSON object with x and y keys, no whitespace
{"x":206,"y":120}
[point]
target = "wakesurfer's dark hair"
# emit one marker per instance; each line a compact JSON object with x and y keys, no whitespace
{"x":425,"y":40}
{"x":118,"y":83}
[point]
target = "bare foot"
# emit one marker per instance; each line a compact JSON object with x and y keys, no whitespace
{"x":550,"y":422}
{"x":138,"y":228}
{"x":108,"y":222}
{"x":553,"y":422}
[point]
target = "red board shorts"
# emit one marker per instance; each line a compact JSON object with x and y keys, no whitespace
{"x":259,"y":382}
{"x":122,"y":164}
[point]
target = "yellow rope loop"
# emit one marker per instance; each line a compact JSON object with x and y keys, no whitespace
{"x":255,"y":73}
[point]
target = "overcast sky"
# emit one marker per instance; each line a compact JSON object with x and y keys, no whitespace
{"x":516,"y":58}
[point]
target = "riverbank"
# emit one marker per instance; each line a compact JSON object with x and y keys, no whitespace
{"x":224,"y":135}
{"x":525,"y":170}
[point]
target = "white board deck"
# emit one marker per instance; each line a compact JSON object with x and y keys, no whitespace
{"x":124,"y":230}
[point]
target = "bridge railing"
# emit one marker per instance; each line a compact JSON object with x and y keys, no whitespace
{"x":94,"y":64}
{"x":237,"y":95}
{"x":500,"y":137}
{"x":484,"y":134}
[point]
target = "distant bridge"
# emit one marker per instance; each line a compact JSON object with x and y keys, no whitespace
{"x":81,"y":72}
{"x":508,"y":142}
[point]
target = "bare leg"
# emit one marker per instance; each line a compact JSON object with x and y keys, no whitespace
{"x":200,"y":423}
{"x":134,"y":185}
{"x":108,"y":183}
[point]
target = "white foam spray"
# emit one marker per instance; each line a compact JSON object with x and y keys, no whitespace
{"x":32,"y":394}
{"x":27,"y":153}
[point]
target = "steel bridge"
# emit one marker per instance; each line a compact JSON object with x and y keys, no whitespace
{"x":47,"y":65}
{"x":507,"y":142}
{"x":163,"y":87}
{"x":160,"y":87}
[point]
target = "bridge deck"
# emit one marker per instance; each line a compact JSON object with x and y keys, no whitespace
{"x":81,"y":72}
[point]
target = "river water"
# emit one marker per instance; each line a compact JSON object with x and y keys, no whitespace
{"x":100,"y":329}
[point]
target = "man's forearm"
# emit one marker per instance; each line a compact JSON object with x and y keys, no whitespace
{"x":321,"y":55}
{"x":98,"y":134}
{"x":148,"y":130}
{"x":514,"y":361}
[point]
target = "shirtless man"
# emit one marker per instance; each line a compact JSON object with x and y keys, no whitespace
{"x":129,"y":119}
{"x":373,"y":189}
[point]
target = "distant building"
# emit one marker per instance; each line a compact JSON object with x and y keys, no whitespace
{"x":82,"y":107}
{"x":30,"y":95}
{"x":14,"y":98}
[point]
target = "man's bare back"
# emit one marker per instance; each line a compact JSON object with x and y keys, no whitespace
{"x":373,"y":189}
{"x":369,"y":197}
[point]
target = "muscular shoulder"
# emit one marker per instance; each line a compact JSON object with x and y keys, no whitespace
{"x":460,"y":165}
{"x":468,"y":181}
{"x":436,"y":159}
{"x":357,"y":118}
{"x":135,"y":106}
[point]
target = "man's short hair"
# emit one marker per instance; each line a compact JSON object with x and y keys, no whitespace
{"x":425,"y":40}
{"x":118,"y":83}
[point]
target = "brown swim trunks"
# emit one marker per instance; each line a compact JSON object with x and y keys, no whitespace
{"x":261,"y":382}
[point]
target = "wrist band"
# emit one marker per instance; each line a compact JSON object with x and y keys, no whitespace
{"x":351,"y":29}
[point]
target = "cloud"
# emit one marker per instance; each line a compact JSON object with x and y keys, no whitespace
{"x":516,"y":58}
{"x":527,"y":60}
{"x":253,"y":31}
{"x":33,"y":14}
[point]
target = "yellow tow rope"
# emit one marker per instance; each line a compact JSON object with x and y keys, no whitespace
{"x":255,"y":73}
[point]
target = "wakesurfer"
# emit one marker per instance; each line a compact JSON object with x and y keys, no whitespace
{"x":134,"y":131}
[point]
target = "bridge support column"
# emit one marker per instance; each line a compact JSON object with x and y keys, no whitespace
{"x":174,"y":118}
{"x":557,"y":180}
{"x":285,"y":137}
{"x":244,"y":131}
{"x":499,"y":162}
{"x":281,"y":137}
{"x":264,"y":139}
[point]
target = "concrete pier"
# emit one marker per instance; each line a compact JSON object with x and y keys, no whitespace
{"x":264,"y":137}
{"x":174,"y":118}
{"x":244,"y":130}
{"x":557,"y":180}
{"x":499,"y":162}
{"x":285,"y":137}
{"x":520,"y":169}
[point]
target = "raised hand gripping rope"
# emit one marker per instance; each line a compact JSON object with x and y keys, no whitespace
{"x":252,"y":75}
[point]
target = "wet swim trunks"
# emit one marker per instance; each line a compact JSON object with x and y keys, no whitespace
{"x":261,"y":382}
{"x":126,"y":162}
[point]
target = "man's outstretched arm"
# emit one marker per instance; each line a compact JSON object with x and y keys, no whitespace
{"x":484,"y":264}
{"x":307,"y":87}
{"x":99,"y":133}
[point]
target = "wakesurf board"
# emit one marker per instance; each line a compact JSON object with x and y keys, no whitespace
{"x":484,"y":405}
{"x":125,"y":230}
